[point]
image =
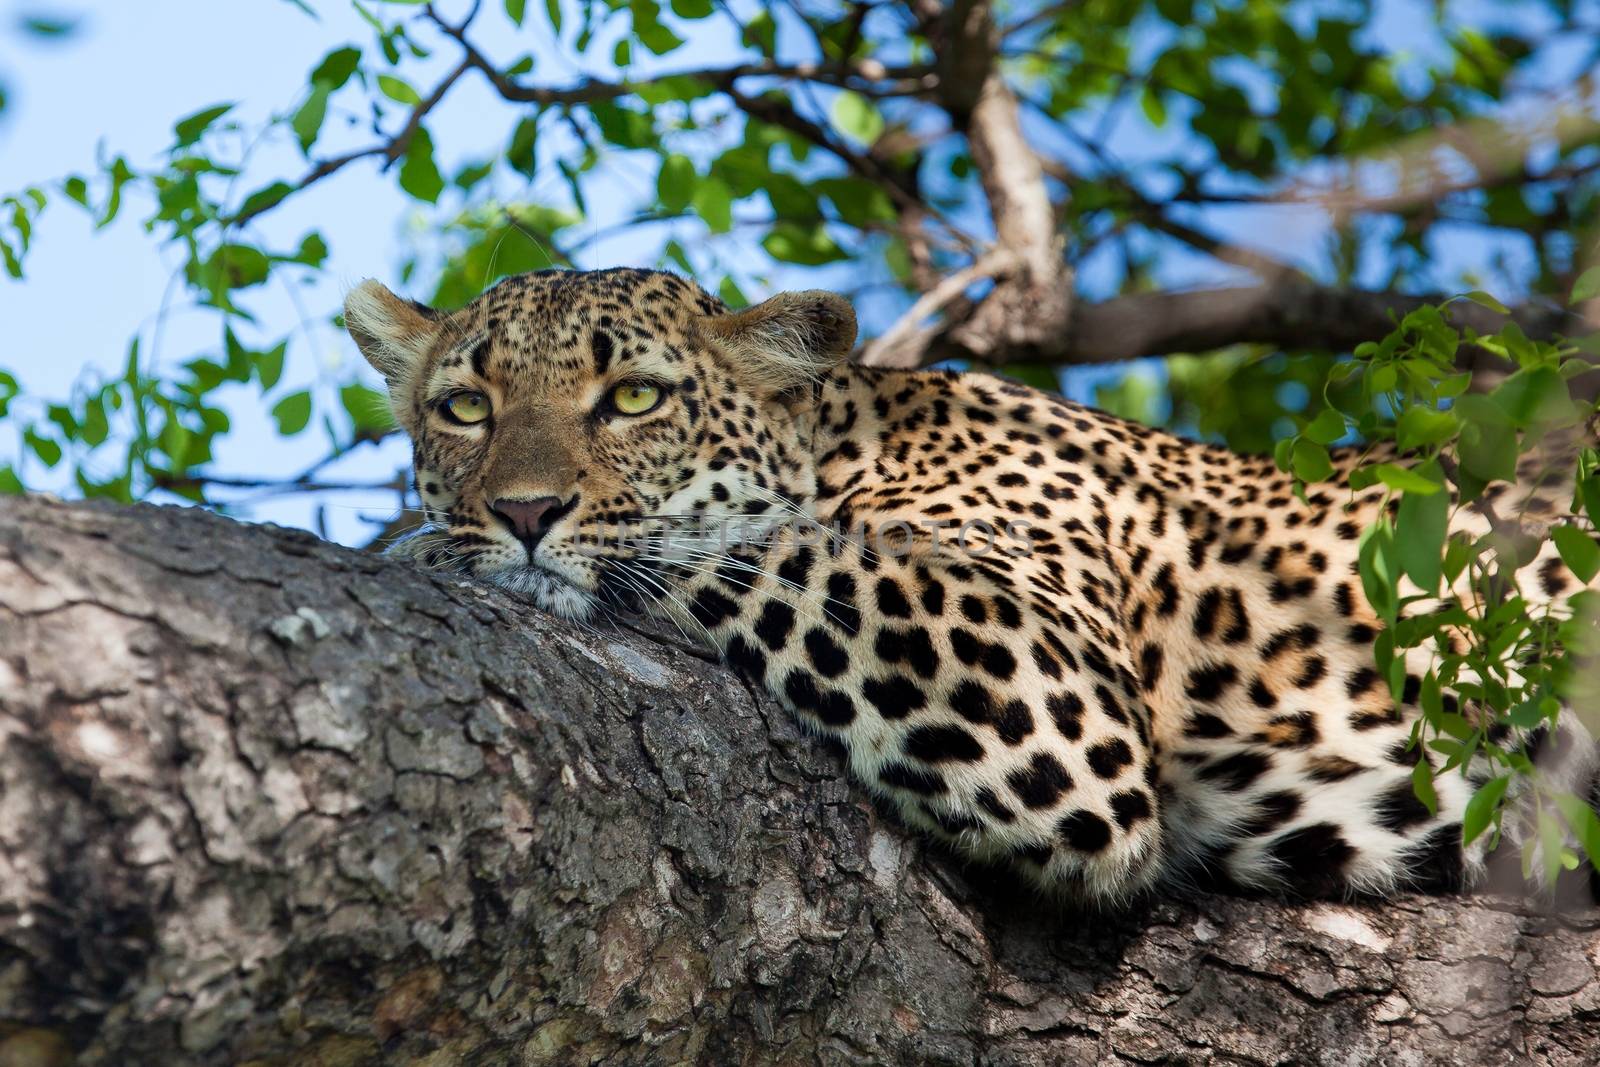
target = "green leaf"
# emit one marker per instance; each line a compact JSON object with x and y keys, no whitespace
{"x":673,"y":87}
{"x":264,"y":199}
{"x":292,"y":413}
{"x":234,"y":266}
{"x":1588,"y":489}
{"x":1310,"y":461}
{"x":1327,"y":427}
{"x":856,"y":117}
{"x":336,"y":68}
{"x":1488,"y":451}
{"x":1525,"y":716}
{"x":1422,"y":785}
{"x":1587,"y":287}
{"x":368,"y":409}
{"x":40,"y":26}
{"x":1404,"y":479}
{"x":1483,"y":299}
{"x":730,"y":293}
{"x":1419,"y":427}
{"x":1431,"y":697}
{"x":1420,"y":529}
{"x":1481,"y":808}
{"x":658,"y":38}
{"x":675,"y":183}
{"x":858,"y":202}
{"x":791,"y":199}
{"x":419,"y":175}
{"x":240,"y":360}
{"x":1283,"y":454}
{"x":10,"y":484}
{"x":762,"y":32}
{"x":1585,"y":824}
{"x":691,"y":9}
{"x":808,"y":246}
{"x":672,"y":251}
{"x":307,"y":122}
{"x":1535,"y":396}
{"x":1457,"y":554}
{"x":520,"y":153}
{"x":471,"y":174}
{"x":1379,"y":576}
{"x":1383,"y":378}
{"x":1551,"y":845}
{"x":269,"y":365}
{"x":63,"y":417}
{"x":623,"y":126}
{"x":205,"y":375}
{"x":1155,"y":109}
{"x":121,"y":174}
{"x":398,"y":90}
{"x":713,"y":202}
{"x":96,"y":428}
{"x":516,"y":10}
{"x":191,"y":129}
{"x":648,"y":30}
{"x":48,"y":451}
{"x":313,"y":250}
{"x":1578,"y":551}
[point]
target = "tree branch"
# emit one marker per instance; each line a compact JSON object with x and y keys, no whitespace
{"x":879,"y":78}
{"x":883,"y":350}
{"x":1288,"y":313}
{"x":868,"y":76}
{"x":390,"y":150}
{"x":1032,"y":299}
{"x":267,"y":800}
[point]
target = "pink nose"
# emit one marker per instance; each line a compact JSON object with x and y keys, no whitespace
{"x":530,"y":520}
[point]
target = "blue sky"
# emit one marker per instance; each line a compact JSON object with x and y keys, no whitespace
{"x":133,"y":68}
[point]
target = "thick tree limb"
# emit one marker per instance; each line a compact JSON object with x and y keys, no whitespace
{"x":1031,"y":301}
{"x":267,"y":800}
{"x":1288,"y":313}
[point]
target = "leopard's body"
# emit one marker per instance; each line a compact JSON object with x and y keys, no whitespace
{"x":1175,"y":676}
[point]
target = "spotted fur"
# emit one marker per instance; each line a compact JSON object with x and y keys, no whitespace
{"x":1175,"y":677}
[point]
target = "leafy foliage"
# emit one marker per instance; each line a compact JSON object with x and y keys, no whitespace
{"x":1455,"y":602}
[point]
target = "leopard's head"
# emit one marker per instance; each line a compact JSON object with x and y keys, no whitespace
{"x":563,"y":408}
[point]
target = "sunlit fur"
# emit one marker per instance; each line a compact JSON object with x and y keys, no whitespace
{"x":1175,"y":682}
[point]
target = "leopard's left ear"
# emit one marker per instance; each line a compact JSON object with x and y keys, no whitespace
{"x":791,"y":339}
{"x":394,"y":334}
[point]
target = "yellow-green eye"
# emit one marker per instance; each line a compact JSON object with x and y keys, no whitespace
{"x":468,"y":407}
{"x":635,"y":398}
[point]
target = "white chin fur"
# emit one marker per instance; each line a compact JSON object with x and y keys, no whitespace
{"x":548,"y":591}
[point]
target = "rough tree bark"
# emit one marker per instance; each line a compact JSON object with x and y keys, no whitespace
{"x":266,"y":800}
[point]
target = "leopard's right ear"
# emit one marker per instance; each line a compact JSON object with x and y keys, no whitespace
{"x":394,"y":334}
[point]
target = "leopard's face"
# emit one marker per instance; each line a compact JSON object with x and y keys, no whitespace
{"x":561,"y":421}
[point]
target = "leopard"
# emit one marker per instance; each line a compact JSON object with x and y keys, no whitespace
{"x":1075,"y":647}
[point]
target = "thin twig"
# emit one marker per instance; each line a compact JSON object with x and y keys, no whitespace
{"x":880,"y":352}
